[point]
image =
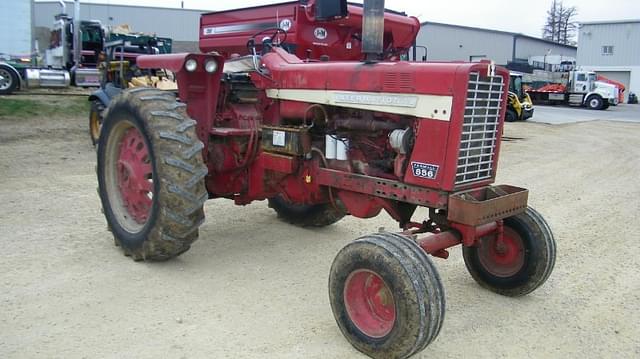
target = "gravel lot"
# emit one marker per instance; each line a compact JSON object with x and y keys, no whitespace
{"x":253,"y":287}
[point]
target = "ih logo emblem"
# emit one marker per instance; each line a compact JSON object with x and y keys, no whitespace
{"x":286,"y":24}
{"x":424,"y":170}
{"x":320,"y":33}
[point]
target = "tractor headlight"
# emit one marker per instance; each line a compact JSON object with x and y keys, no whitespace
{"x":211,"y":66}
{"x":191,"y":65}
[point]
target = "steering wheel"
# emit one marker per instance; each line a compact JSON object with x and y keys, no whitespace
{"x":277,"y":38}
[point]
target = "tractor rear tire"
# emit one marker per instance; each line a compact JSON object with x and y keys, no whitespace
{"x":95,"y":120}
{"x":519,"y":265}
{"x":511,"y":116}
{"x":386,"y":296}
{"x":317,"y":215}
{"x":151,"y":175}
{"x":9,"y":82}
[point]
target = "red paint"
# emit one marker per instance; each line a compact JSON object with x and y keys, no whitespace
{"x":134,"y":175}
{"x":502,"y":257}
{"x":369,"y":303}
{"x":233,"y":28}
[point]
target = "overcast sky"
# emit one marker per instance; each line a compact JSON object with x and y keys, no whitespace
{"x":517,"y":16}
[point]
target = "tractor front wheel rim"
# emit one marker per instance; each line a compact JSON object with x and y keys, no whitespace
{"x":503,"y":257}
{"x":369,"y":303}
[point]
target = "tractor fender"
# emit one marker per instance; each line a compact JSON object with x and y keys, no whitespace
{"x":15,"y":71}
{"x":100,"y":95}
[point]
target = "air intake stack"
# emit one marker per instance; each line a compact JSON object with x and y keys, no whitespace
{"x":373,"y":30}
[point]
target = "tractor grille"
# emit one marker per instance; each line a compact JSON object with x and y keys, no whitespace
{"x":480,"y":128}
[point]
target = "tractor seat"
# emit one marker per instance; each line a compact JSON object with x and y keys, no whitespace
{"x":239,"y":64}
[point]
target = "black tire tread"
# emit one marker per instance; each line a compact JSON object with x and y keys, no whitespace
{"x":318,"y":215}
{"x":426,"y":283}
{"x":182,"y":191}
{"x":541,"y":231}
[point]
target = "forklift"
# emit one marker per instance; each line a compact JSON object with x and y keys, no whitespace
{"x":520,"y":106}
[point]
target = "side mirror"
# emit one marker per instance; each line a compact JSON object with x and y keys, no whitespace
{"x":331,"y":9}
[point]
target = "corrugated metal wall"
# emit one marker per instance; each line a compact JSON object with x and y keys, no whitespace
{"x":181,"y":25}
{"x":526,"y":48}
{"x":450,"y":43}
{"x":624,"y":37}
{"x":15,"y":27}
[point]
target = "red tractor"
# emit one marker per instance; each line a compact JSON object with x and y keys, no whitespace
{"x":320,"y":117}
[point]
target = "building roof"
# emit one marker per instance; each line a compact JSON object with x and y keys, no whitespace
{"x":106,"y":3}
{"x":609,"y":22}
{"x":514,"y":34}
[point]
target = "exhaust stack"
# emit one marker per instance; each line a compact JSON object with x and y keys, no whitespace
{"x":373,"y":30}
{"x":77,"y":33}
{"x":63,"y":6}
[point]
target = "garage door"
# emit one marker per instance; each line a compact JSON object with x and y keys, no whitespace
{"x":620,"y":76}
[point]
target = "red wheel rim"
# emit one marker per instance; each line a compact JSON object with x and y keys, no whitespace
{"x":134,"y":173}
{"x":369,"y":303}
{"x":505,"y":257}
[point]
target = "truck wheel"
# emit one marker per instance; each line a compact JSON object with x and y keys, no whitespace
{"x":386,"y":296}
{"x":9,"y":81}
{"x":521,"y":263}
{"x":595,"y":102}
{"x":511,"y":116}
{"x":95,"y":120}
{"x":151,"y":175}
{"x":317,"y":215}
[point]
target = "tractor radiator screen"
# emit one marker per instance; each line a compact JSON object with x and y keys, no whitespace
{"x":480,"y":128}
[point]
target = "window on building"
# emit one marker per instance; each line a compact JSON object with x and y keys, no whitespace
{"x":607,"y":50}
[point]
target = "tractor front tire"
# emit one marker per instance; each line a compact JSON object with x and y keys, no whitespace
{"x":520,"y":263}
{"x":151,"y":175}
{"x":317,"y":215}
{"x":386,"y":296}
{"x":95,"y":120}
{"x":511,"y":116}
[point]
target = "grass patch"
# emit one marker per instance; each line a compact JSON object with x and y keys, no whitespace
{"x":50,"y":106}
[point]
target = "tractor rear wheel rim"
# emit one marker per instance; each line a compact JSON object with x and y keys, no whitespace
{"x":5,"y":79}
{"x":95,"y":124}
{"x":505,"y":257}
{"x":129,"y":176}
{"x":134,"y":175}
{"x":369,"y":303}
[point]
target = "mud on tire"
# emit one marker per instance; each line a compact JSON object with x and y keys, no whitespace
{"x":151,"y":175}
{"x":386,"y":296}
{"x":526,"y":261}
{"x":318,"y":215}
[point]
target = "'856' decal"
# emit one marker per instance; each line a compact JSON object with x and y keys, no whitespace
{"x":424,"y":170}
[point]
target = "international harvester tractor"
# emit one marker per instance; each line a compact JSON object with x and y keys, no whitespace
{"x":310,"y":105}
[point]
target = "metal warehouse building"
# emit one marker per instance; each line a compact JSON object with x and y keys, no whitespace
{"x":447,"y":42}
{"x":182,"y":25}
{"x":612,"y":49}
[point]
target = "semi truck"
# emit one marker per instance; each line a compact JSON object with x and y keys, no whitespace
{"x":73,"y":56}
{"x":573,"y":88}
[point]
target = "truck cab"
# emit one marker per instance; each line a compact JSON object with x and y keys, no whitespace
{"x":585,"y":89}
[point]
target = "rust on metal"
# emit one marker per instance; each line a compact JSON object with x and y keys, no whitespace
{"x":488,"y":204}
{"x":379,"y":187}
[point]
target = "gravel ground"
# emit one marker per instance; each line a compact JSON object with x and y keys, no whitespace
{"x":253,"y":287}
